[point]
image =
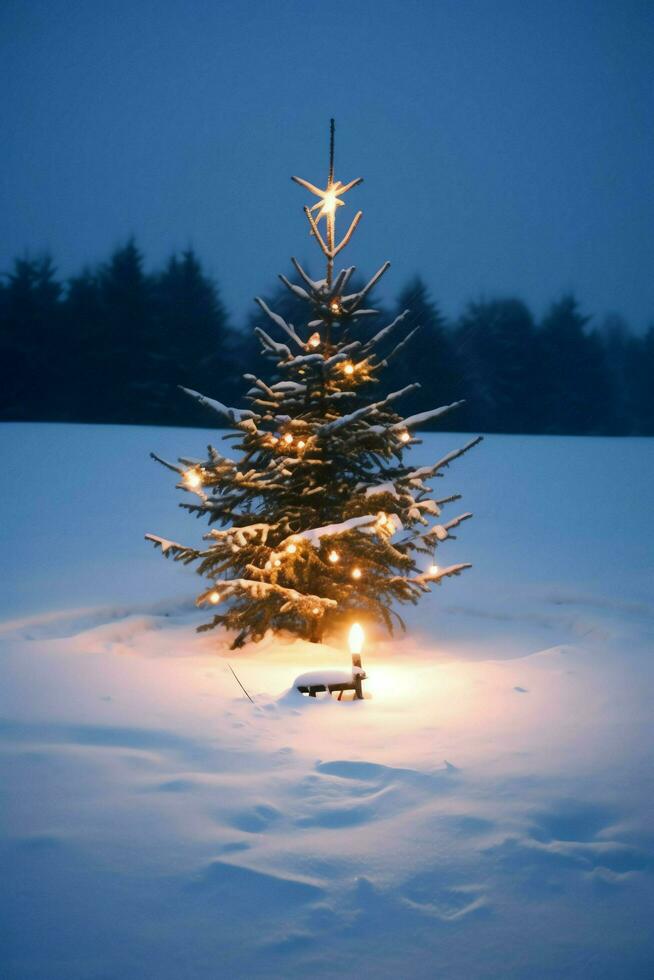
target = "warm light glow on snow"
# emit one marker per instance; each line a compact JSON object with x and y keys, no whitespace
{"x":355,"y":638}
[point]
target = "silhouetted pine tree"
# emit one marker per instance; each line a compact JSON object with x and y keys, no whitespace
{"x":495,"y":343}
{"x":31,"y":342}
{"x":131,"y":347}
{"x":573,"y":389}
{"x":429,"y":356}
{"x":640,"y":386}
{"x":194,"y":342}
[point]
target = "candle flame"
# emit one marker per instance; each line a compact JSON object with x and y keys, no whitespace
{"x":356,"y":638}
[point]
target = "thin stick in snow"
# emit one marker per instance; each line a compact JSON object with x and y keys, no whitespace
{"x":239,"y":684}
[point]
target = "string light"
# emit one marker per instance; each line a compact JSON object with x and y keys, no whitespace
{"x":268,"y":566}
{"x":291,"y":549}
{"x":214,"y":597}
{"x":316,"y":610}
{"x":314,"y":340}
{"x":193,"y":478}
{"x":405,"y":436}
{"x":349,"y":368}
{"x":333,"y":557}
{"x":277,"y":563}
{"x":433,"y":569}
{"x":274,"y":440}
{"x":356,"y":573}
{"x":301,"y":444}
{"x":335,"y":306}
{"x":288,"y":438}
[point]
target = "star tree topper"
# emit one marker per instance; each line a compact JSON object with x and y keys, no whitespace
{"x":329,"y":200}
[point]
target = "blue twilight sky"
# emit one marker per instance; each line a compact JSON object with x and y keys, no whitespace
{"x":506,"y":145}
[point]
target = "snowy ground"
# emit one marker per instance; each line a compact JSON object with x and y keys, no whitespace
{"x":487,"y":814}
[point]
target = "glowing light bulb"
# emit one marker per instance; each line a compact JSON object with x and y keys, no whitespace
{"x":433,"y":569}
{"x":333,"y":557}
{"x":405,"y":436}
{"x":274,"y":440}
{"x":335,"y":306}
{"x":301,"y":444}
{"x":355,"y":639}
{"x":356,"y":573}
{"x":277,"y":563}
{"x":291,"y":549}
{"x":314,"y":340}
{"x":288,"y":438}
{"x":349,"y":368}
{"x":214,"y":597}
{"x":193,"y":478}
{"x":268,"y":566}
{"x":328,"y":202}
{"x":316,"y":610}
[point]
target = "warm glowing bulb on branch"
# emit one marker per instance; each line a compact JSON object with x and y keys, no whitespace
{"x":277,"y":563}
{"x":316,"y":610}
{"x":405,"y":436}
{"x":214,"y":597}
{"x":335,"y":306}
{"x":291,"y":549}
{"x":433,"y":569}
{"x":349,"y":368}
{"x":193,"y":478}
{"x":356,"y":573}
{"x":301,"y":444}
{"x":328,"y":203}
{"x":288,"y":438}
{"x":333,"y":557}
{"x":355,"y":639}
{"x":274,"y":440}
{"x":314,"y":340}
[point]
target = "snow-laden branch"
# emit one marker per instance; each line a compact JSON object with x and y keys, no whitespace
{"x":351,"y":302}
{"x":425,"y":579}
{"x":374,"y":407}
{"x":178,"y":551}
{"x":434,"y":413}
{"x":242,"y":536}
{"x":169,"y":466}
{"x":295,"y":289}
{"x":426,"y":471}
{"x":226,"y":588}
{"x":281,"y":350}
{"x":288,"y":328}
{"x":233,"y":414}
{"x":386,"y":330}
{"x":314,"y":535}
{"x":442,"y":531}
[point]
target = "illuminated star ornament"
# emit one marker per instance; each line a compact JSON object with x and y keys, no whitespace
{"x":328,"y":201}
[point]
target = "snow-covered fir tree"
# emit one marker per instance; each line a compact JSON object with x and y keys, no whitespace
{"x":319,"y":515}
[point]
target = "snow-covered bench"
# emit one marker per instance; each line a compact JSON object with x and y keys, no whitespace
{"x":331,"y":681}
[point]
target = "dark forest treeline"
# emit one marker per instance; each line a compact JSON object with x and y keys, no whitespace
{"x":113,"y":343}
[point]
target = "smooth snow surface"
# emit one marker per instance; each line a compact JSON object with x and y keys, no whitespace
{"x":487,"y":813}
